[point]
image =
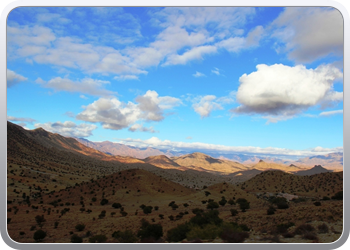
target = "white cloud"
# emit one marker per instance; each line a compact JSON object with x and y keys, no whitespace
{"x":309,"y":33}
{"x":190,"y":55}
{"x":333,"y":112}
{"x":197,"y":31}
{"x":13,"y":78}
{"x":205,"y":147}
{"x":113,"y":114}
{"x":126,"y":77}
{"x":20,"y":119}
{"x":87,"y":86}
{"x":198,"y":74}
{"x":83,"y":97}
{"x":216,"y":71}
{"x":206,"y":105}
{"x":139,"y":127}
{"x":285,"y":91}
{"x":68,"y":128}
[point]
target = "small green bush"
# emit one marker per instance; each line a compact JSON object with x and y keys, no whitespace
{"x":323,"y":228}
{"x":178,"y":233}
{"x":103,"y":202}
{"x":76,"y":239}
{"x":208,"y":232}
{"x":126,"y":236}
{"x":80,"y":227}
{"x":39,"y":235}
{"x":338,"y":196}
{"x":147,"y":230}
{"x":304,"y":228}
{"x":116,"y":205}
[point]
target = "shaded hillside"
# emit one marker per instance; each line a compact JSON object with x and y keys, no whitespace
{"x":242,"y":176}
{"x":317,"y":169}
{"x":163,"y":161}
{"x":69,"y":162}
{"x":202,"y":162}
{"x":319,"y":185}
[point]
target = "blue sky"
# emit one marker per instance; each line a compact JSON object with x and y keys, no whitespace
{"x":246,"y":80}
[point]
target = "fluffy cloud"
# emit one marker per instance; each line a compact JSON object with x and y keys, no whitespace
{"x":116,"y":115}
{"x":205,"y":147}
{"x":68,"y":128}
{"x":13,"y":78}
{"x":206,"y":105}
{"x":197,"y":31}
{"x":309,"y":33}
{"x":280,"y":90}
{"x":87,"y":86}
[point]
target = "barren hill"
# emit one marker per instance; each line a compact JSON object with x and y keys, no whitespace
{"x":263,"y":166}
{"x":163,"y":161}
{"x":202,"y":162}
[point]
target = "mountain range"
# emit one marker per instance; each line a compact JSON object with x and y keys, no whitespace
{"x":333,"y":161}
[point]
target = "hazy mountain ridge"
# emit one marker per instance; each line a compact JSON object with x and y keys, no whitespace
{"x":333,"y":161}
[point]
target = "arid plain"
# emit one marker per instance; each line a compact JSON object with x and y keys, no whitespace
{"x":60,"y":190}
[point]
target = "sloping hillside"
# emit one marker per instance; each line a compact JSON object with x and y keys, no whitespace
{"x":202,"y":162}
{"x":319,"y":185}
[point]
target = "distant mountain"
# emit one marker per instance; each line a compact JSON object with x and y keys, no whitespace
{"x":263,"y":166}
{"x":317,"y":169}
{"x":163,"y":161}
{"x":202,"y":162}
{"x":333,"y":161}
{"x":121,"y":149}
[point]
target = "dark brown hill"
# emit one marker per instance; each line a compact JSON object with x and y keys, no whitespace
{"x":318,"y":185}
{"x":317,"y":169}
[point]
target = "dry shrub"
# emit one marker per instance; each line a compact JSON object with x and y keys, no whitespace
{"x":304,"y":228}
{"x":310,"y":236}
{"x":234,"y":237}
{"x":323,"y":228}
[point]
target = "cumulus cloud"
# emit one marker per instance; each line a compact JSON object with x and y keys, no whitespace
{"x":206,"y":105}
{"x":13,"y":78}
{"x":206,"y":147}
{"x":285,"y":91}
{"x":87,"y":86}
{"x":309,"y":33}
{"x":116,"y":115}
{"x":68,"y":128}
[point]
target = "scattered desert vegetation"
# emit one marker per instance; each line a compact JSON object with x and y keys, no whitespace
{"x":62,"y":191}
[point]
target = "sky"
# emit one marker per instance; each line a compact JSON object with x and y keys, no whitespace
{"x":235,"y":80}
